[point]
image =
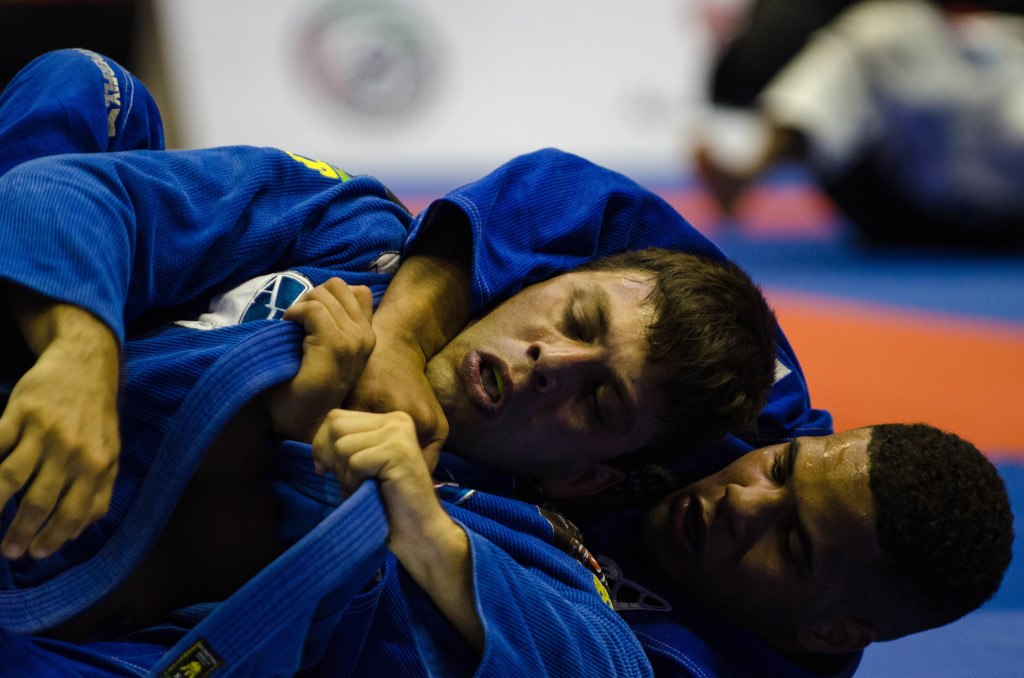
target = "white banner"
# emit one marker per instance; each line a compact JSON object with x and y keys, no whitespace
{"x":438,"y":90}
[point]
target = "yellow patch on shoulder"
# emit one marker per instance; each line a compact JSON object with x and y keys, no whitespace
{"x":329,"y":171}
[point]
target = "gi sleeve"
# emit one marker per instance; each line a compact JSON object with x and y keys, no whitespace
{"x":543,"y":615}
{"x":547,"y":212}
{"x":121,"y":233}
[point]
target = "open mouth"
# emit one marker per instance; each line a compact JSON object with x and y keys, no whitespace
{"x":691,"y":530}
{"x":486,"y":382}
{"x":490,"y":379}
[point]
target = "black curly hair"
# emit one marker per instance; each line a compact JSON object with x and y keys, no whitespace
{"x":943,"y":522}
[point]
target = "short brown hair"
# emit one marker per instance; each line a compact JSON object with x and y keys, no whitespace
{"x":713,"y":339}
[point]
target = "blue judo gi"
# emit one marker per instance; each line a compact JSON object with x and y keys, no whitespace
{"x":190,"y":257}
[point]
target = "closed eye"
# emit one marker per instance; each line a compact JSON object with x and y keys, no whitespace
{"x":778,"y":468}
{"x":797,"y":546}
{"x":573,"y":325}
{"x":783,"y":462}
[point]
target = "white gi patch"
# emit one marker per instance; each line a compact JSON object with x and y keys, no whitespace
{"x":781,"y":371}
{"x":263,"y":298}
{"x":386,"y":263}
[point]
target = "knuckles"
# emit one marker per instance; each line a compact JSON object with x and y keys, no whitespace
{"x":11,"y":478}
{"x":95,"y":462}
{"x":399,"y":421}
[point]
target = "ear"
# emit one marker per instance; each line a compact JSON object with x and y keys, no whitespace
{"x":591,"y":481}
{"x":836,"y":635}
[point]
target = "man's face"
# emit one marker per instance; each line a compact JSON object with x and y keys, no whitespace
{"x":554,"y":379}
{"x":771,"y":541}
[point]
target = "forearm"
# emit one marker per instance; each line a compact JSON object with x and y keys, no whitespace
{"x":431,"y":546}
{"x":441,"y":565}
{"x":43,"y":321}
{"x":538,"y":614}
{"x":428,"y":302}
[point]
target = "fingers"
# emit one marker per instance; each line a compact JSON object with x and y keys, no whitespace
{"x":19,"y":465}
{"x":82,"y":505}
{"x":35,"y":506}
{"x":336,"y":317}
{"x":339,"y":340}
{"x":15,"y":472}
{"x":364,"y":297}
{"x":65,"y":497}
{"x":343,"y":302}
{"x":59,"y":435}
{"x":360,"y":445}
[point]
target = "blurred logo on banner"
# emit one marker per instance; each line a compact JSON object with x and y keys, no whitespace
{"x":376,"y":59}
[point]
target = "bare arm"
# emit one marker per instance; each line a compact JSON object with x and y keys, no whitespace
{"x":426,"y":304}
{"x":59,"y":433}
{"x":426,"y":541}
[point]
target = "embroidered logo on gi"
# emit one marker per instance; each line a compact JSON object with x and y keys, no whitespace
{"x":264,"y":298}
{"x":329,"y":171}
{"x":198,"y":661}
{"x":386,"y":263}
{"x":274,"y":298}
{"x":111,"y":91}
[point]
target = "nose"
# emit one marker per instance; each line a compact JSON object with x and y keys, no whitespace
{"x":751,"y":511}
{"x":562,"y":365}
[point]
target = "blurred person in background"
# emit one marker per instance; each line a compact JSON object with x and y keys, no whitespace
{"x":909,"y":114}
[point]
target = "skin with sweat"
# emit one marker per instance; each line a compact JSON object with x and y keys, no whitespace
{"x":771,"y":541}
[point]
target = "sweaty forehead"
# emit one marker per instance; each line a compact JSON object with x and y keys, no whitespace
{"x":835,"y":501}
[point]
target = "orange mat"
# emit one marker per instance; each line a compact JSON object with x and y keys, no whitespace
{"x":870,"y":364}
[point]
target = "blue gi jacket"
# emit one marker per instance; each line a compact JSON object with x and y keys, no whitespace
{"x":140,"y":238}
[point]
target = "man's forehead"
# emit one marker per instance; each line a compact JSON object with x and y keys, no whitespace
{"x":632,"y":278}
{"x":832,"y":478}
{"x":840,"y":460}
{"x":631,"y":286}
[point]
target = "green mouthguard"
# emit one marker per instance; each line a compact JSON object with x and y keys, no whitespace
{"x":497,"y":378}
